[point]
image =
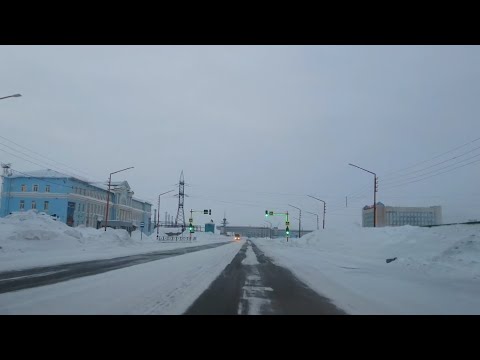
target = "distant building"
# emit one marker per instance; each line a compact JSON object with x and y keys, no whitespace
{"x":210,"y":227}
{"x":398,"y":216}
{"x":260,"y":231}
{"x":74,"y":201}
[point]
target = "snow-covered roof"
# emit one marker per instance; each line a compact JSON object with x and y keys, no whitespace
{"x":46,"y":173}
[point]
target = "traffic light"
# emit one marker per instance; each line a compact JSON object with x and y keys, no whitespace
{"x":266,"y":213}
{"x":190,"y":228}
{"x":210,"y":212}
{"x":287,"y":231}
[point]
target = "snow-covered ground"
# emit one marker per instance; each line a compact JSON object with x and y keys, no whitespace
{"x":166,"y":286}
{"x":30,"y":239}
{"x":437,"y":270}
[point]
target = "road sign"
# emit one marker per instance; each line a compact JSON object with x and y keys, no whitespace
{"x":287,"y":223}
{"x":271,"y":213}
{"x":190,"y":220}
{"x":142,"y":224}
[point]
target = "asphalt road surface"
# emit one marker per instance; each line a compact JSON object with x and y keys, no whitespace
{"x":253,"y":285}
{"x":45,"y":275}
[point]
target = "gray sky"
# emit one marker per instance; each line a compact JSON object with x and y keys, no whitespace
{"x":250,"y":125}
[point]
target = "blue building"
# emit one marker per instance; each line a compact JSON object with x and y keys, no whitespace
{"x":73,"y":200}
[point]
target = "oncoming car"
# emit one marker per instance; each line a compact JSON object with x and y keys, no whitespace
{"x":237,"y":237}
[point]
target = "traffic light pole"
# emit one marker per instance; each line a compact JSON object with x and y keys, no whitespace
{"x":190,"y":226}
{"x":287,"y":223}
{"x":299,"y":220}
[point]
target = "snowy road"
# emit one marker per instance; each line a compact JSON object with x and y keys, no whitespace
{"x":253,"y":285}
{"x":166,"y":286}
{"x":39,"y":276}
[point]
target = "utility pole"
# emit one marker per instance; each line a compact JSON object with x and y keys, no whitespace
{"x":375,"y":189}
{"x":158,"y":219}
{"x":155,"y":224}
{"x":324,"y":208}
{"x":270,"y":229}
{"x":180,"y":219}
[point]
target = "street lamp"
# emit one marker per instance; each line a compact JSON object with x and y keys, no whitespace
{"x":108,"y":193}
{"x":324,"y":208}
{"x":299,"y":220}
{"x":270,"y":230}
{"x":308,"y":212}
{"x":9,"y":96}
{"x":158,"y":217}
{"x":374,"y":193}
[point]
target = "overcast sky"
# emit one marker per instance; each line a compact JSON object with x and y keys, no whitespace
{"x":253,"y":127}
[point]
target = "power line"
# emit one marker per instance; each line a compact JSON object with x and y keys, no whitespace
{"x":230,"y":202}
{"x":49,"y":165}
{"x":388,"y":185}
{"x":433,"y":158}
{"x":22,"y":158}
{"x":58,"y":162}
{"x":248,"y":191}
{"x":442,"y":162}
{"x":458,"y":167}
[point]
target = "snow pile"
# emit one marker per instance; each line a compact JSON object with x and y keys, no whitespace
{"x":31,"y":225}
{"x":30,"y":238}
{"x":453,"y":250}
{"x":395,"y":270}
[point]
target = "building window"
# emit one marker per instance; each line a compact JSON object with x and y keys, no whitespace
{"x":22,"y":204}
{"x":47,"y":188}
{"x":34,"y":205}
{"x":24,"y":188}
{"x":35,"y":188}
{"x":45,"y":205}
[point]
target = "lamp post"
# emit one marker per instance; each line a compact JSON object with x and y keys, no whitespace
{"x":270,"y":229}
{"x":324,"y":208}
{"x":308,"y":212}
{"x":299,"y":221}
{"x":108,"y":193}
{"x":158,"y":218}
{"x":10,"y":96}
{"x":374,"y":193}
